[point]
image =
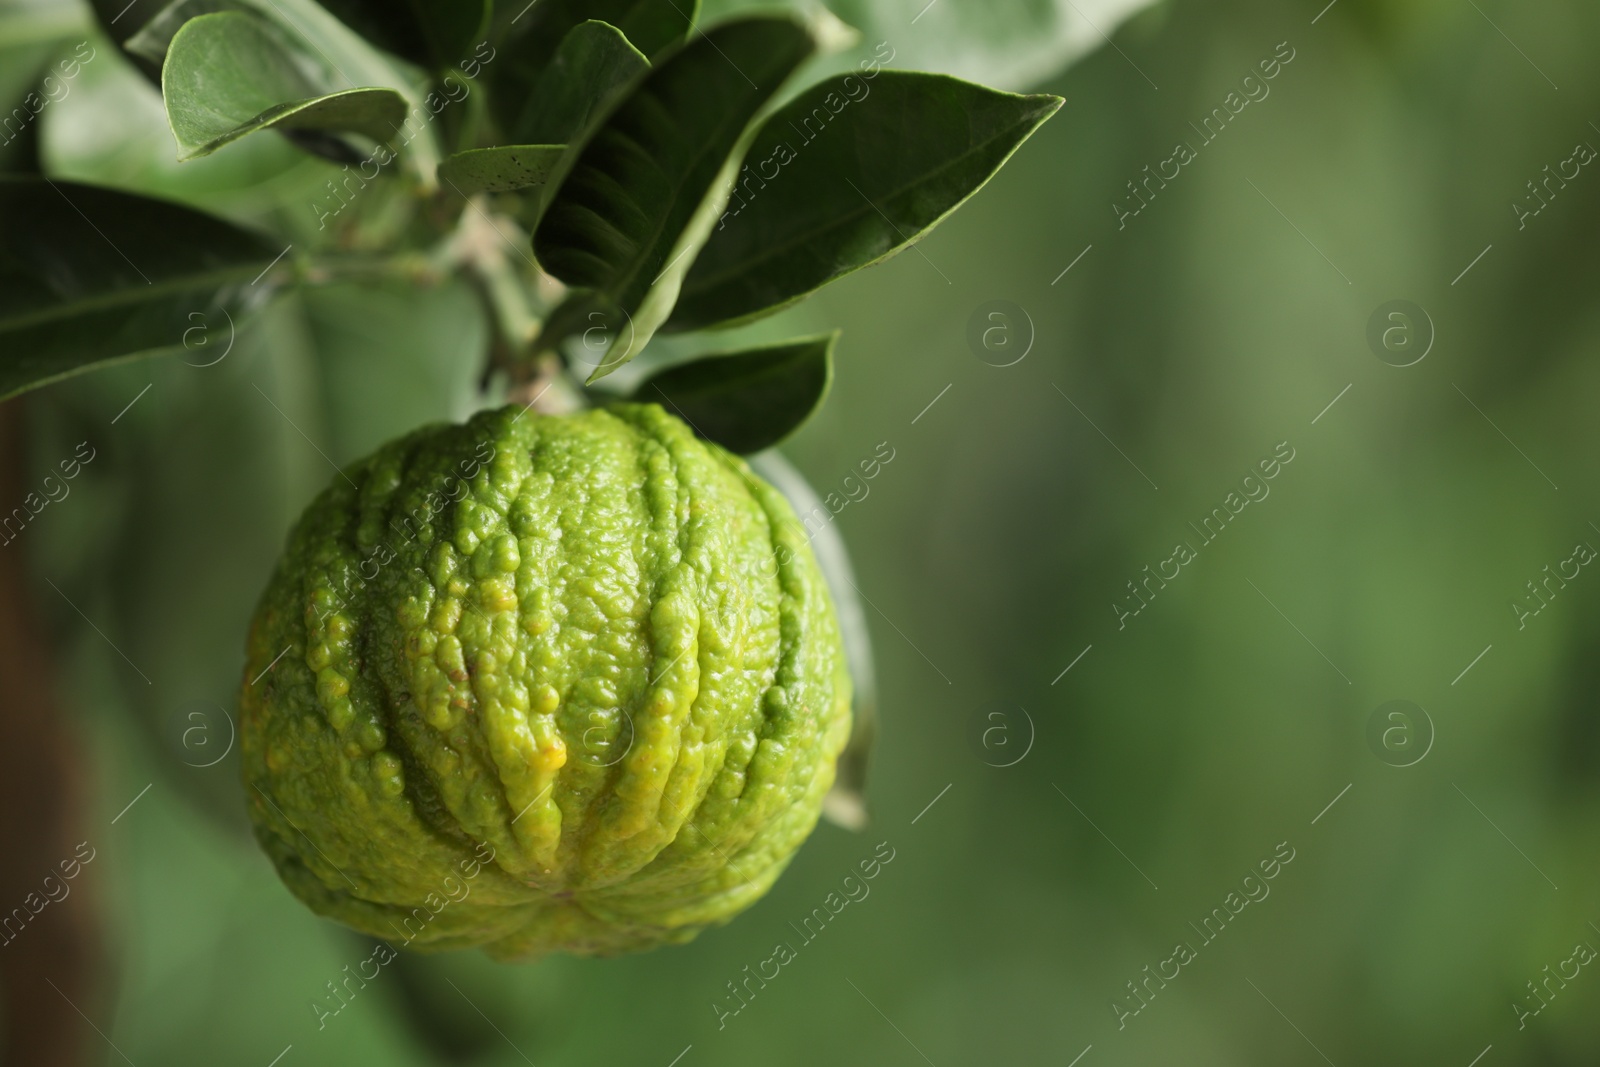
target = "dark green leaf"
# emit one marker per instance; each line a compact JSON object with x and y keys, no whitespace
{"x":230,"y":73}
{"x":644,"y":191}
{"x":593,"y":65}
{"x":652,"y":25}
{"x":390,"y":25}
{"x":534,"y":33}
{"x":845,"y":175}
{"x":89,"y":275}
{"x":433,"y":33}
{"x":1013,"y":45}
{"x":747,"y":401}
{"x":451,"y":27}
{"x":120,"y":23}
{"x":501,"y":169}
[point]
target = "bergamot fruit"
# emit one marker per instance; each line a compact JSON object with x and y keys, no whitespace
{"x":542,"y":683}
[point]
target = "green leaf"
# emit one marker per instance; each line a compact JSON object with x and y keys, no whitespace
{"x":112,"y":131}
{"x":533,"y":35}
{"x":594,"y":64}
{"x":1013,"y":45}
{"x":644,"y":191}
{"x":747,"y":401}
{"x":501,"y":169}
{"x":88,"y":275}
{"x":348,"y":61}
{"x":330,"y":55}
{"x":429,"y":32}
{"x":434,"y":33}
{"x":451,"y":27}
{"x":377,"y":113}
{"x":652,"y":25}
{"x":847,"y":174}
{"x":230,"y":73}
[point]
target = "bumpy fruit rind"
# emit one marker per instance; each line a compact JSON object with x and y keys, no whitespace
{"x":542,"y":683}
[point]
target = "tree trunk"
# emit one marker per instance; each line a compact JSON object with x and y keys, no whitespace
{"x":47,"y":963}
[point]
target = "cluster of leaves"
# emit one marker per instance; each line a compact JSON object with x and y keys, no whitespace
{"x":654,"y":169}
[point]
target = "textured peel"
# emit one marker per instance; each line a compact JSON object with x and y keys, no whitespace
{"x":547,"y":683}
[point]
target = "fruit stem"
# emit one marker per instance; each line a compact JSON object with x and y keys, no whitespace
{"x":479,"y":246}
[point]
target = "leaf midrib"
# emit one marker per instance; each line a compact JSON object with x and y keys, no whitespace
{"x":626,"y":282}
{"x":745,"y":265}
{"x":276,"y":114}
{"x":787,"y":368}
{"x":130,"y":295}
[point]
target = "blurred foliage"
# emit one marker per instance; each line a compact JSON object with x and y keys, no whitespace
{"x":1198,"y":337}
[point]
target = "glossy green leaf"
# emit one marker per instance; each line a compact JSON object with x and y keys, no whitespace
{"x":747,"y":401}
{"x":1012,"y":45}
{"x":593,"y":65}
{"x":348,"y":61}
{"x":231,"y":73}
{"x":428,"y":32}
{"x":845,"y":175}
{"x":644,"y":191}
{"x":88,"y":275}
{"x":330,"y":55}
{"x":534,"y":34}
{"x":112,"y":131}
{"x":501,"y":169}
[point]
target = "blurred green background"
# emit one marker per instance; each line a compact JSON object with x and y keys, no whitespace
{"x":1185,"y":746}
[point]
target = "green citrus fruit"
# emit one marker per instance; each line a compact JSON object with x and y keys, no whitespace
{"x":542,"y":683}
